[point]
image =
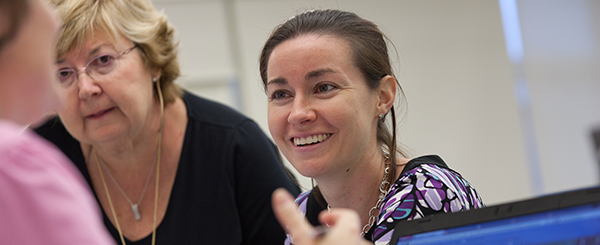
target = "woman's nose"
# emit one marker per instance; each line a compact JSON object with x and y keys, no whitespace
{"x":88,"y":87}
{"x":302,"y":112}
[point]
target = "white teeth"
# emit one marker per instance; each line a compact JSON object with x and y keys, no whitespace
{"x":311,"y":139}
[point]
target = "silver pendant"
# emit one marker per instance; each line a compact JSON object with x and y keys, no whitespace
{"x":136,"y":212}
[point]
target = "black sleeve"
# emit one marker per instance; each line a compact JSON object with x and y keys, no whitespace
{"x":258,"y":172}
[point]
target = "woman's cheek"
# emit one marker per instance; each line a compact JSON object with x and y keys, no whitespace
{"x":276,"y":123}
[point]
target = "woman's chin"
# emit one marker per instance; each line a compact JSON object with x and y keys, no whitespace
{"x":310,"y":170}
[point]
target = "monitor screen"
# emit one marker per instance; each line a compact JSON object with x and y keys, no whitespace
{"x":565,"y":218}
{"x":577,"y":225}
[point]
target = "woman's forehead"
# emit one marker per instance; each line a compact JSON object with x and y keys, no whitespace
{"x":94,"y":43}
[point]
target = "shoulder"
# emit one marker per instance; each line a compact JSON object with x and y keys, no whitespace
{"x":39,"y":186}
{"x":12,"y":143}
{"x":22,"y":150}
{"x":430,"y":168}
{"x":426,"y":187}
{"x":26,"y":157}
{"x":20,"y":144}
{"x":222,"y":125}
{"x":11,"y":134}
{"x":209,"y":112}
{"x":435,"y":176}
{"x":435,"y":186}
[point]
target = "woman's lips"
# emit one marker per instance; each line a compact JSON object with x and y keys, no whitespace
{"x":99,"y":114}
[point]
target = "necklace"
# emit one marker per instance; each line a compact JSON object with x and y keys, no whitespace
{"x":157,"y":161}
{"x":134,"y":206}
{"x":382,"y":193}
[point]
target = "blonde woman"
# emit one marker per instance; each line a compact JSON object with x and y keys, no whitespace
{"x":166,"y":166}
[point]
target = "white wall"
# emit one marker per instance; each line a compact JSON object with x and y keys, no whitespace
{"x":562,"y":60}
{"x":455,"y":74}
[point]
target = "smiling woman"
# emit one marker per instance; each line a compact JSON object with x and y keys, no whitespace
{"x":334,"y":96}
{"x":331,"y":87}
{"x":167,"y":167}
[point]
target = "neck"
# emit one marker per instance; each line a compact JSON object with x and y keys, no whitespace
{"x":356,"y":189}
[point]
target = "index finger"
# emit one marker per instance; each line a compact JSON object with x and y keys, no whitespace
{"x":290,"y":218}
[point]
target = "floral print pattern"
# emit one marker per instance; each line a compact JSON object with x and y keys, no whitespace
{"x":423,"y":191}
{"x":426,"y":189}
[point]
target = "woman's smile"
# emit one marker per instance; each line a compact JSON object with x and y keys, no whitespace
{"x":311,"y":145}
{"x":310,"y":140}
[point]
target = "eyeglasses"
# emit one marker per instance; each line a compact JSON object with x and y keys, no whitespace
{"x":95,"y":68}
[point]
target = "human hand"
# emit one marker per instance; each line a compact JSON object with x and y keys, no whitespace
{"x":344,"y":224}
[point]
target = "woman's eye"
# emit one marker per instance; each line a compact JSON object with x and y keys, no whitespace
{"x":64,"y":75}
{"x":277,"y":95}
{"x":324,"y":88}
{"x":104,"y":60}
{"x":102,"y":65}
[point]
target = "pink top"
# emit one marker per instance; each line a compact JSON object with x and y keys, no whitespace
{"x":43,"y":199}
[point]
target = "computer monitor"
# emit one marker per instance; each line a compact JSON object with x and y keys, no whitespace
{"x":565,"y":218}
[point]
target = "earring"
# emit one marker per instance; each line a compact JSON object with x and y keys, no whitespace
{"x":154,"y":79}
{"x":380,"y":116}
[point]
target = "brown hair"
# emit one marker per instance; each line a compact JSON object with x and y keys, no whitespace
{"x":137,"y":20}
{"x":13,"y":13}
{"x":369,"y":53}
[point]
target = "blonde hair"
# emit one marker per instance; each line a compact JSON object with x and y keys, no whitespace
{"x":136,"y":20}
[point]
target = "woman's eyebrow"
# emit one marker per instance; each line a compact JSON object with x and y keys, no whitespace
{"x":310,"y":75}
{"x":318,"y":73}
{"x":278,"y":81}
{"x":95,"y":50}
{"x":90,"y":53}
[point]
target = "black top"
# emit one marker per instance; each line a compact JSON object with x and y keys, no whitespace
{"x":222,"y":190}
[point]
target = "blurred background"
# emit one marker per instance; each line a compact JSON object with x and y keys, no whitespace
{"x":507,"y":92}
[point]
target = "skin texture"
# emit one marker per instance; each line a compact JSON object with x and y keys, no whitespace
{"x":27,"y":90}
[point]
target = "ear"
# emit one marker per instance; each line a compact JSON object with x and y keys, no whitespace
{"x":387,"y":94}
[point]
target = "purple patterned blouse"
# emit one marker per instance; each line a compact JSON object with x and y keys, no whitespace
{"x":425,"y":187}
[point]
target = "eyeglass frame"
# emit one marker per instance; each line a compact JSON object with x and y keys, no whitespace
{"x":76,"y":71}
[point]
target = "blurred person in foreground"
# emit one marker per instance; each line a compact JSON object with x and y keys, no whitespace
{"x":43,"y":198}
